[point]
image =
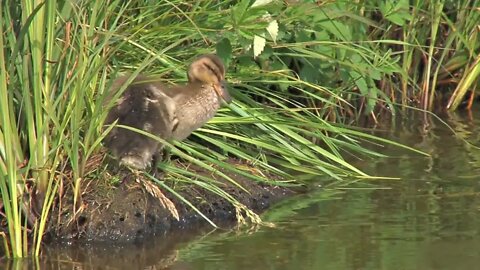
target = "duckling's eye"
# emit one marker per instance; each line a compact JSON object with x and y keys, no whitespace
{"x":214,"y":70}
{"x":208,"y":67}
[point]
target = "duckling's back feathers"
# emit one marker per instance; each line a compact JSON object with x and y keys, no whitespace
{"x":143,"y":106}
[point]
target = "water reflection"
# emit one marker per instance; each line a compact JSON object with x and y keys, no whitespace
{"x":429,"y":219}
{"x":426,"y":220}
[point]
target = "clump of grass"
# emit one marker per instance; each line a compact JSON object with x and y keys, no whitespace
{"x":438,"y":45}
{"x":53,"y":66}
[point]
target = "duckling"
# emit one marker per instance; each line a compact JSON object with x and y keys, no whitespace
{"x":198,"y":100}
{"x":169,"y":113}
{"x":144,"y":106}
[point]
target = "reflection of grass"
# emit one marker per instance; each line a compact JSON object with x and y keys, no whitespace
{"x":59,"y":60}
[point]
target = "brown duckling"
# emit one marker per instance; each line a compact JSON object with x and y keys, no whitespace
{"x":198,"y":100}
{"x":144,"y":106}
{"x":169,"y":113}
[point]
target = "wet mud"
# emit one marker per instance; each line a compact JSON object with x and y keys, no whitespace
{"x":135,"y":208}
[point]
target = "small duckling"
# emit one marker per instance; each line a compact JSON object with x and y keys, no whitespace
{"x":169,"y":113}
{"x":198,"y":101}
{"x":144,"y":106}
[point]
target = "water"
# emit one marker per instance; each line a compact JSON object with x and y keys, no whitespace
{"x":428,"y":219}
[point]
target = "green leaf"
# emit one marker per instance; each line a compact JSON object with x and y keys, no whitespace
{"x":239,"y":11}
{"x":340,"y":30}
{"x":309,"y":73}
{"x":224,"y":50}
{"x":398,"y":12}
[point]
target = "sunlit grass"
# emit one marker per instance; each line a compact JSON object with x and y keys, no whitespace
{"x":296,"y":87}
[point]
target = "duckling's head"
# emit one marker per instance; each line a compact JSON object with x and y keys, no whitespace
{"x":209,"y":69}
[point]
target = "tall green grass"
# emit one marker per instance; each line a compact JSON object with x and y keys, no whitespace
{"x":439,"y":49}
{"x":53,"y":65}
{"x":300,"y":73}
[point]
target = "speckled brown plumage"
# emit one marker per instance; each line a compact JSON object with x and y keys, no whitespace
{"x":166,"y":112}
{"x":143,"y":106}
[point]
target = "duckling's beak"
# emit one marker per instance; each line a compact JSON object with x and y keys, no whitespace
{"x":222,"y":91}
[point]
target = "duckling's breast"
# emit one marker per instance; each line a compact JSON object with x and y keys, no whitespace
{"x":194,"y":109}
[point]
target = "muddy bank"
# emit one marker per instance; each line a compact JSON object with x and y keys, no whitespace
{"x":133,"y":208}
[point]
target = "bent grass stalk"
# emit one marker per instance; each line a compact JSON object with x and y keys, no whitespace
{"x":471,"y":75}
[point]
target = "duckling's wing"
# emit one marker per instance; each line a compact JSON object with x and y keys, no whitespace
{"x":123,"y":105}
{"x":146,"y":108}
{"x":166,"y":107}
{"x":118,"y":112}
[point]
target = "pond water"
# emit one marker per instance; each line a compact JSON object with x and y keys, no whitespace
{"x":429,"y":218}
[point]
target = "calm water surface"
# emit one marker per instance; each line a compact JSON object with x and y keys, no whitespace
{"x":427,"y":219}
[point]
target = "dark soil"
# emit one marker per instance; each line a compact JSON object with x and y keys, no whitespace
{"x":135,"y":208}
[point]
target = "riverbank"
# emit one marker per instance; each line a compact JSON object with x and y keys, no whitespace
{"x":135,"y":208}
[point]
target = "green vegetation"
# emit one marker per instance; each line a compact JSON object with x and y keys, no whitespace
{"x":299,"y":71}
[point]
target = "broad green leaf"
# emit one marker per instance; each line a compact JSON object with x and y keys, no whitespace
{"x":224,"y":50}
{"x":239,"y":11}
{"x":398,"y":12}
{"x":340,"y":30}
